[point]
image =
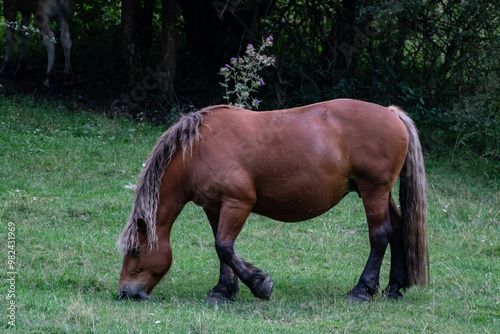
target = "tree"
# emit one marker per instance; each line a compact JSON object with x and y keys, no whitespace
{"x":137,"y":36}
{"x":214,"y":31}
{"x":169,"y":47}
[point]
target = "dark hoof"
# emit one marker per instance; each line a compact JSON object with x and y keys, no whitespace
{"x":264,"y":290}
{"x":358,"y":297}
{"x":222,"y":294}
{"x":392,"y":294}
{"x":218,"y":300}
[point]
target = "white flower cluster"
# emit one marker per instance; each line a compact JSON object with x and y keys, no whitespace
{"x":28,"y":30}
{"x":243,"y":72}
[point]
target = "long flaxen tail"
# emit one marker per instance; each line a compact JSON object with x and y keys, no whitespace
{"x":413,"y":201}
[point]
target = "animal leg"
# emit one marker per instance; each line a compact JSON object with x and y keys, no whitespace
{"x":10,"y":12}
{"x":398,"y":275}
{"x":23,"y":37}
{"x":9,"y":40}
{"x":379,"y":225}
{"x":66,"y":43}
{"x":48,"y":41}
{"x":232,"y":218}
{"x":227,"y":288}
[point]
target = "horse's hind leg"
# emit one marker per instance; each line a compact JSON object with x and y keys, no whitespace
{"x":398,"y":276}
{"x":227,"y":288}
{"x":380,"y":230}
{"x":233,"y":215}
{"x":66,"y":43}
{"x":42,"y":21}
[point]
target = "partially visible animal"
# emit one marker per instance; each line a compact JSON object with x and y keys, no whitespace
{"x":44,"y":11}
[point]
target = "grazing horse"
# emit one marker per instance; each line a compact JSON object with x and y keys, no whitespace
{"x":44,"y":11}
{"x":290,"y":165}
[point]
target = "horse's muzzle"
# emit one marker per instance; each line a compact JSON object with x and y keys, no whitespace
{"x":131,"y":292}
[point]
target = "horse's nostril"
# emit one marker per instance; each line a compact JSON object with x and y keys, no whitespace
{"x":129,"y":292}
{"x":123,"y":295}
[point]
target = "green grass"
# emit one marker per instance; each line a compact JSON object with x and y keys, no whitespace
{"x":62,"y":182}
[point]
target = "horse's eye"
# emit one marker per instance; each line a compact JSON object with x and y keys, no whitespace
{"x":135,"y":252}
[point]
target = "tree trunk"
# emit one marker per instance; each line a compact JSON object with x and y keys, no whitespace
{"x":144,"y":25}
{"x":130,"y":43}
{"x":215,"y":32}
{"x":345,"y":37}
{"x":168,"y":47}
{"x":203,"y":30}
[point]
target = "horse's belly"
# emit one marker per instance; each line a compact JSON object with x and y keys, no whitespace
{"x":289,"y":216}
{"x":298,"y":205}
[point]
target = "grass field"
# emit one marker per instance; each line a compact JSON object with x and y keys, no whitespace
{"x":64,"y":179}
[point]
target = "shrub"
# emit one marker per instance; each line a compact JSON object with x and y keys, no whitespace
{"x":476,"y":120}
{"x":241,"y":76}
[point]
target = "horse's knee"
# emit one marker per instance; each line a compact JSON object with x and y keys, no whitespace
{"x":225,"y":250}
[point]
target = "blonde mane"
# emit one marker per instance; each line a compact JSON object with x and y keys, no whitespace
{"x":185,"y":135}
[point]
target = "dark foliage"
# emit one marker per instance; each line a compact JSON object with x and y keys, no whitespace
{"x":438,"y":59}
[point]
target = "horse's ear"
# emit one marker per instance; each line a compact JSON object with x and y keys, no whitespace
{"x":141,"y":225}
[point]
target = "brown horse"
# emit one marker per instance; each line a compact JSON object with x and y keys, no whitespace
{"x":44,"y":11}
{"x":289,"y":165}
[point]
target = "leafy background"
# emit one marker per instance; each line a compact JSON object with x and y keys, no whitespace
{"x":437,"y":59}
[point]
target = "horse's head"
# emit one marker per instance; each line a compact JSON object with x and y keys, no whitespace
{"x":159,"y":199}
{"x":143,"y":267}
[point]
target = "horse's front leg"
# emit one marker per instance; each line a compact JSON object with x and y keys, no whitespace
{"x":380,"y":230}
{"x":233,"y":216}
{"x":227,"y":288}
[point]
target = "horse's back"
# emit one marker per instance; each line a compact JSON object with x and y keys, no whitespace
{"x":342,"y":129}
